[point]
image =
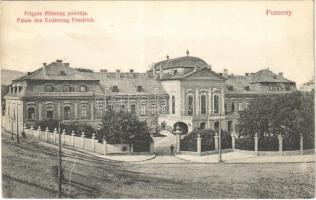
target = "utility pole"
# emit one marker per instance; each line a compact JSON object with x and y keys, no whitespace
{"x":59,"y":163}
{"x":12,"y":119}
{"x":17,"y":124}
{"x":220,"y":133}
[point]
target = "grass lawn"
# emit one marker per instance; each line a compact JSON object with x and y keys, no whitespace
{"x":27,"y":172}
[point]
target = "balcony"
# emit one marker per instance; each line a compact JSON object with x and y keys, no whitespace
{"x":65,"y":94}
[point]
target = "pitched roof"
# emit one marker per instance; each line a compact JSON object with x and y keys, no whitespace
{"x":128,"y":85}
{"x":269,"y":77}
{"x":187,"y":61}
{"x":57,"y":71}
{"x":201,"y":72}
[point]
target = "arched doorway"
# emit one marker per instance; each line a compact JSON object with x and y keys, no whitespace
{"x":183,"y":127}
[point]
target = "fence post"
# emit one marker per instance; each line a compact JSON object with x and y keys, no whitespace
{"x":32,"y":129}
{"x":301,"y":144}
{"x":72,"y":138}
{"x":216,"y":141}
{"x":64,"y":135}
{"x":178,"y":141}
{"x":54,"y":134}
{"x":39,"y":132}
{"x":256,"y":144}
{"x":198,"y":140}
{"x":280,"y":144}
{"x":46,"y":134}
{"x":152,"y":148}
{"x":82,"y":140}
{"x":233,"y":135}
{"x":105,"y":146}
{"x":132,"y":148}
{"x":93,"y":142}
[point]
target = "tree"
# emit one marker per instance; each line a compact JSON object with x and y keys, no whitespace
{"x":287,"y":114}
{"x":122,"y":127}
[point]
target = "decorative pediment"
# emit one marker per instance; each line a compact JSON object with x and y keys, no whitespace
{"x":203,"y":74}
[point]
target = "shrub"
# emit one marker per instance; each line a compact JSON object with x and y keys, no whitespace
{"x":245,"y":143}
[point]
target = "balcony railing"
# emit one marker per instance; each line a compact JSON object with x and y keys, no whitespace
{"x":64,"y":94}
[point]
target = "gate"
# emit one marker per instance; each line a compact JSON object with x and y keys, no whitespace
{"x":163,"y":142}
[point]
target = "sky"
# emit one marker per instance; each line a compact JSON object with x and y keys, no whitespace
{"x":236,"y":35}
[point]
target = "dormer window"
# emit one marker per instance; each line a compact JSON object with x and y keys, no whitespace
{"x":62,"y":73}
{"x":49,"y":88}
{"x":139,"y":88}
{"x":175,"y":72}
{"x":115,"y":88}
{"x":247,"y":88}
{"x":83,"y":88}
{"x":67,"y":88}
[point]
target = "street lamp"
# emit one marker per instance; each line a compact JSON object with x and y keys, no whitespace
{"x":59,"y":161}
{"x":17,"y":125}
{"x":220,"y":133}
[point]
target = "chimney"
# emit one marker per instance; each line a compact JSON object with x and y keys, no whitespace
{"x":225,"y":72}
{"x":131,"y":73}
{"x":44,"y":68}
{"x":281,"y":74}
{"x":59,"y":61}
{"x":66,"y":64}
{"x":28,"y":73}
{"x":118,"y":73}
{"x":246,"y":74}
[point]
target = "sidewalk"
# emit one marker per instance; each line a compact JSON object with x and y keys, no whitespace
{"x":236,"y":157}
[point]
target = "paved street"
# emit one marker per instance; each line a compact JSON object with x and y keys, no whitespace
{"x":27,"y":172}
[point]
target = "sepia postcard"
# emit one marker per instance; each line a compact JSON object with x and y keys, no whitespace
{"x":157,"y":99}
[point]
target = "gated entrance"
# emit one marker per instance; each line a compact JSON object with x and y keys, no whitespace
{"x":163,"y":142}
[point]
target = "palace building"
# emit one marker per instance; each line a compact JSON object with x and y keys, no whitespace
{"x":182,"y":92}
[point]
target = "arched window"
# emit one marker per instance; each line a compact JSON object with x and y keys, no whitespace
{"x":49,"y":112}
{"x":203,"y":104}
{"x":83,"y":88}
{"x":202,"y":125}
{"x":190,"y":105}
{"x":67,"y":88}
{"x":233,"y":106}
{"x":216,"y":104}
{"x":31,"y":113}
{"x":173,"y":105}
{"x":48,"y":88}
{"x":66,"y":112}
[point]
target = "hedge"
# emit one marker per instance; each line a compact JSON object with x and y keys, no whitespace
{"x":189,"y":142}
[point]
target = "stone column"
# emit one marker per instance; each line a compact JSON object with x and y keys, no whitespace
{"x":197,"y":101}
{"x":39,"y":132}
{"x":58,"y":111}
{"x":46,"y":134}
{"x":199,"y":147}
{"x":280,"y":144}
{"x":92,"y":110}
{"x":132,"y":148}
{"x":93,"y":142}
{"x":76,"y":110}
{"x":39,"y":111}
{"x":210,"y":106}
{"x":73,"y":138}
{"x":301,"y":144}
{"x":256,"y":144}
{"x":216,"y":137}
{"x":233,"y":135}
{"x":54,"y":133}
{"x":222,"y":101}
{"x":105,"y":146}
{"x":64,"y":136}
{"x":82,"y":140}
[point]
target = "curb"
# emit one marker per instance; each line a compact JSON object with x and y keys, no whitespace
{"x":229,"y":162}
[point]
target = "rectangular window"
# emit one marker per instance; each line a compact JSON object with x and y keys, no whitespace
{"x":240,"y":106}
{"x":100,"y":112}
{"x":203,"y":104}
{"x":143,"y":109}
{"x":190,"y":105}
{"x":83,"y":111}
{"x":153,"y":125}
{"x":49,"y":113}
{"x":153,"y":109}
{"x":133,"y":108}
